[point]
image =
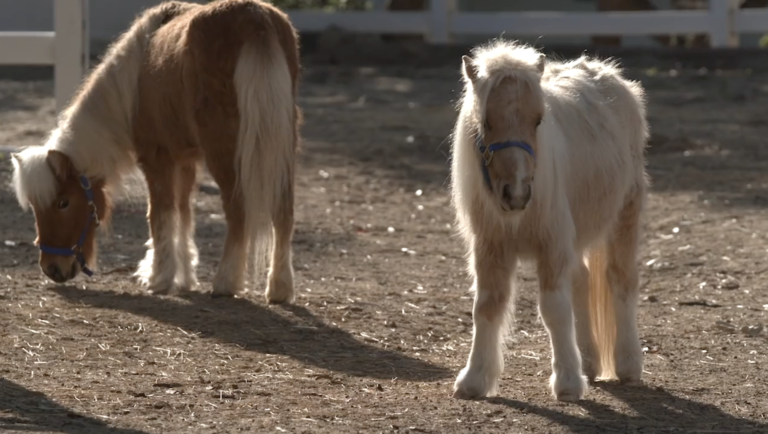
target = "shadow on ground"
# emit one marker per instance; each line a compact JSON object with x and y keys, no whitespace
{"x":653,"y":409}
{"x":288,"y":330}
{"x":24,"y":410}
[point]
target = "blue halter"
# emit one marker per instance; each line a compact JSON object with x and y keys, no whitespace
{"x":486,"y":153}
{"x":77,"y":249}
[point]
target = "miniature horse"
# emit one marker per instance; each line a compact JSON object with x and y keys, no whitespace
{"x":186,"y":84}
{"x":548,"y":165}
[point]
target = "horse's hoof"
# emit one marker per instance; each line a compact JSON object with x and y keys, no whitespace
{"x":161,"y":289}
{"x":189,"y":286}
{"x":629,"y":366}
{"x":590,"y":364}
{"x":568,"y":387}
{"x":567,"y":396}
{"x":225,"y":287}
{"x":474,"y":385}
{"x":279,"y":291}
{"x":468,"y":395}
{"x":629,"y":381}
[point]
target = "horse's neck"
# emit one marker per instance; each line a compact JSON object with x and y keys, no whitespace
{"x":98,"y":142}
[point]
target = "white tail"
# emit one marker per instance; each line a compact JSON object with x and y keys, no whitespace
{"x":602,"y":313}
{"x":264,"y":162}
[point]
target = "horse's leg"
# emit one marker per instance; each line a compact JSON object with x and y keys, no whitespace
{"x":622,"y":276}
{"x":229,"y":279}
{"x":188,"y":254}
{"x":590,"y":363}
{"x":162,"y":215}
{"x":494,"y":271}
{"x":555,"y":269}
{"x":280,"y":286}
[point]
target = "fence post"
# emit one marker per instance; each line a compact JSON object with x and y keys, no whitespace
{"x":439,"y":20}
{"x":70,"y":48}
{"x":722,"y":23}
{"x":380,"y":5}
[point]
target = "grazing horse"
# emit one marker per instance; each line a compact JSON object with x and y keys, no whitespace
{"x":548,"y":165}
{"x":186,"y":84}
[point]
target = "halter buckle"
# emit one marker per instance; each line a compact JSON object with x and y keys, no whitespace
{"x":487,"y":156}
{"x":94,"y":214}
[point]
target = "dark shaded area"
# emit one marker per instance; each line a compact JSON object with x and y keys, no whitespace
{"x":291,"y":330}
{"x":24,"y":410}
{"x":657,"y":411}
{"x":9,"y":103}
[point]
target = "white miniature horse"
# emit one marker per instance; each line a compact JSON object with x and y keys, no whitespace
{"x":578,"y":129}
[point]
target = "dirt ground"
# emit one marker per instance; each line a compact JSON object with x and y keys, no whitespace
{"x":382,"y":322}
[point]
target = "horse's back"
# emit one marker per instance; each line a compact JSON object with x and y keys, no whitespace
{"x":602,"y":132}
{"x":593,"y":99}
{"x":187,"y":86}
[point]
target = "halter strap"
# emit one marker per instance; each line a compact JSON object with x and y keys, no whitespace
{"x":486,"y":154}
{"x":77,"y":249}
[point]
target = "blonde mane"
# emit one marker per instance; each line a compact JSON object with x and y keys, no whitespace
{"x":95,"y":130}
{"x":495,"y":61}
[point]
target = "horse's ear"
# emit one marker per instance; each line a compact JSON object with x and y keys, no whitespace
{"x":469,"y":68}
{"x":61,"y":164}
{"x":541,"y":63}
{"x":16,"y":156}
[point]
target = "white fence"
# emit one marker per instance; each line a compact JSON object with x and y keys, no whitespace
{"x":723,"y":22}
{"x":67,"y":46}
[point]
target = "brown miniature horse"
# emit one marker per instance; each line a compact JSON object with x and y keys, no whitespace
{"x":186,"y":84}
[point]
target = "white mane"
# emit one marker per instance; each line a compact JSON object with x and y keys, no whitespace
{"x":34,"y":181}
{"x":494,"y":62}
{"x":95,"y":131}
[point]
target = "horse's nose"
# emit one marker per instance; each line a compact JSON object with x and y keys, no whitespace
{"x":54,"y":273}
{"x":516,"y":199}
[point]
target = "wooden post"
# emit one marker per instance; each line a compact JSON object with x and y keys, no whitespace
{"x":70,"y":48}
{"x":722,"y":22}
{"x":440,"y":12}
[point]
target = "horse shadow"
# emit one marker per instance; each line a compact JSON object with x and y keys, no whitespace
{"x":654,"y":409}
{"x":288,"y":330}
{"x":25,"y":410}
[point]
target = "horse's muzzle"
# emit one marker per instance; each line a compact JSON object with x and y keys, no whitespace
{"x":58,"y":274}
{"x":515,"y":197}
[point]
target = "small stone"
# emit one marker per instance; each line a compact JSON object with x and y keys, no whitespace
{"x":730,"y":283}
{"x":725,"y":326}
{"x":752,"y":331}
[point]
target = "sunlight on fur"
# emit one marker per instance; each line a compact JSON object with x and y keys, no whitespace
{"x":585,"y":126}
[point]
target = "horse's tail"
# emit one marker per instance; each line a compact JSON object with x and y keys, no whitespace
{"x":602,"y":316}
{"x":266,"y":139}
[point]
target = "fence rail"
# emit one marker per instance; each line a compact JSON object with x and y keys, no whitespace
{"x":723,"y":21}
{"x":66,"y":48}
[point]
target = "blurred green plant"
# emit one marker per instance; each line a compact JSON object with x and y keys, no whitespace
{"x":330,"y":5}
{"x":764,"y":41}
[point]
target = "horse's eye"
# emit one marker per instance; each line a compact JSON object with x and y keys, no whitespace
{"x":538,"y":122}
{"x":487,"y":125}
{"x":63,"y":203}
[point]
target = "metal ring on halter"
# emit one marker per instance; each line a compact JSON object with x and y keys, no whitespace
{"x":487,"y":156}
{"x":94,"y":213}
